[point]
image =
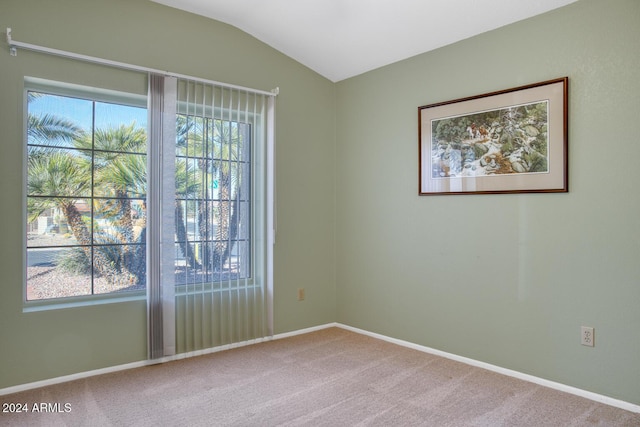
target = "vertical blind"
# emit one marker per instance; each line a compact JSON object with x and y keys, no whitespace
{"x":216,"y":289}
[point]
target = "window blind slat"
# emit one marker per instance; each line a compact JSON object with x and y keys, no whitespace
{"x":221,"y":299}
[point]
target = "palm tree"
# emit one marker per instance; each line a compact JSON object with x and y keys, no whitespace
{"x":120,"y":173}
{"x":227,"y":143}
{"x":48,"y":129}
{"x":187,"y":181}
{"x":216,"y":145}
{"x":57,"y":179}
{"x":187,"y":185}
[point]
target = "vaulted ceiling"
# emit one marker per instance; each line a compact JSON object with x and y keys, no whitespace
{"x":343,"y":38}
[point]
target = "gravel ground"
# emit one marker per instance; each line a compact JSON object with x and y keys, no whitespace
{"x":44,"y":282}
{"x":47,"y":282}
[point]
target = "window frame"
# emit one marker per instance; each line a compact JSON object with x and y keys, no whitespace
{"x":226,"y":116}
{"x":93,"y":94}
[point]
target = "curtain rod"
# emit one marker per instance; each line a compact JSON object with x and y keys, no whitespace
{"x":13,"y":45}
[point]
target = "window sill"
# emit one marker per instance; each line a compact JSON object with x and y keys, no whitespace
{"x":57,"y":304}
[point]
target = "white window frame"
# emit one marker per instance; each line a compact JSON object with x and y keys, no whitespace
{"x":34,"y":84}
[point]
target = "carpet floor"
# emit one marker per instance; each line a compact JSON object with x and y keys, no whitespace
{"x":331,"y":377}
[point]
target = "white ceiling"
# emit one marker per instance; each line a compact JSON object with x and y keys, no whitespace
{"x":343,"y":38}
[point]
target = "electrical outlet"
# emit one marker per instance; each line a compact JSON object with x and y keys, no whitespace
{"x":300,"y":294}
{"x":586,"y":336}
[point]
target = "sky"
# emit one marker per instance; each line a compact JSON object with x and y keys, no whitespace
{"x":80,"y":111}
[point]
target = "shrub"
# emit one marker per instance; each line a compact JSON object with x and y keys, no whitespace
{"x":74,"y":261}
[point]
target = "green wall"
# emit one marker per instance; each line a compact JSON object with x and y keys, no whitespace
{"x":504,"y":279}
{"x":48,"y":344}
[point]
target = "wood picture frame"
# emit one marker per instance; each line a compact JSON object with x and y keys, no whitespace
{"x":509,"y":141}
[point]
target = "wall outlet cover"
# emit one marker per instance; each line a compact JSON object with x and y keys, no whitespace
{"x":586,"y":336}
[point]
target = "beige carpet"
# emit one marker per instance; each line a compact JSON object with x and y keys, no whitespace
{"x":332,"y":378}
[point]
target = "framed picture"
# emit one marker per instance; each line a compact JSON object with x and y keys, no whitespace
{"x":510,"y":141}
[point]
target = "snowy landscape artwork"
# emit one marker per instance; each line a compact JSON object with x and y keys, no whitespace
{"x":509,"y":141}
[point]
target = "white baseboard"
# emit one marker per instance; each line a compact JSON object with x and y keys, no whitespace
{"x":526,"y":377}
{"x":306,"y":330}
{"x":87,"y":374}
{"x":72,"y":377}
{"x":126,"y":366}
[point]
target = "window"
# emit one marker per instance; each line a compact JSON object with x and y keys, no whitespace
{"x":86,"y":192}
{"x":212,"y":200}
{"x":172,"y":199}
{"x":86,"y":188}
